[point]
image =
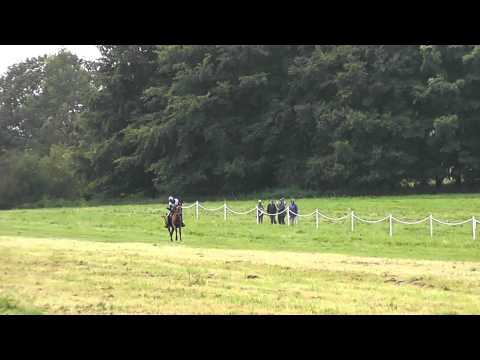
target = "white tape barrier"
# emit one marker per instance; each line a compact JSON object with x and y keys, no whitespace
{"x":240,"y":213}
{"x":371,"y":221}
{"x":391,"y":219}
{"x":410,"y":222}
{"x":291,"y":212}
{"x":276,"y":214}
{"x":452,"y":223}
{"x":333,"y":219}
{"x":204,"y":208}
{"x":188,"y":207}
{"x":266,"y":213}
{"x":300,"y":215}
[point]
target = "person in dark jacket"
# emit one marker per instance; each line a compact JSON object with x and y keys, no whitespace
{"x":272,"y":210}
{"x":280,"y":208}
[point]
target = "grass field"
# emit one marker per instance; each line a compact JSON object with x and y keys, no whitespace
{"x":118,"y":259}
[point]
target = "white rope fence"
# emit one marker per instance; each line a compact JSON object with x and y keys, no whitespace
{"x":318,"y":215}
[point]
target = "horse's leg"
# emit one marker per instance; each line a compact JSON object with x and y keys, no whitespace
{"x":180,"y":230}
{"x":170,"y":231}
{"x":176,"y":233}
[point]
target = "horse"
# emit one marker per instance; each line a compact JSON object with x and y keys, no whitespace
{"x":175,"y":222}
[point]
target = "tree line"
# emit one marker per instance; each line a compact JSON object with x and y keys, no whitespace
{"x":223,"y":119}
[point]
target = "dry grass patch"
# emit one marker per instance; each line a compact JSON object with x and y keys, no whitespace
{"x":76,"y":277}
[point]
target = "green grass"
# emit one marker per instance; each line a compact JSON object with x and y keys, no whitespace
{"x":118,"y":259}
{"x":9,"y":306}
{"x":143,"y":223}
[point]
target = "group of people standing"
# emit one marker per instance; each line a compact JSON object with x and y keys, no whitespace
{"x":277,"y":208}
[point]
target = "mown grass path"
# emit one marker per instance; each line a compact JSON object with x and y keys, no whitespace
{"x":64,"y":276}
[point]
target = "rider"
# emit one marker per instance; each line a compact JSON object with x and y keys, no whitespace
{"x":172,"y":205}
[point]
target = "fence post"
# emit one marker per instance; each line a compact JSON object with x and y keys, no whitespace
{"x":431,"y":225}
{"x":353,"y":221}
{"x":225,"y":211}
{"x":196,"y":210}
{"x":474,"y":228}
{"x":256,"y":211}
{"x":390,"y":218}
{"x":288,"y":215}
{"x":316,"y":217}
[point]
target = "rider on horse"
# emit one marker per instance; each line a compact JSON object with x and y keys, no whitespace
{"x":172,"y":205}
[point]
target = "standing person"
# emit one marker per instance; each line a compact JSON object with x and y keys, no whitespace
{"x":260,"y":211}
{"x":272,"y":210}
{"x":293,"y":211}
{"x":281,"y":215}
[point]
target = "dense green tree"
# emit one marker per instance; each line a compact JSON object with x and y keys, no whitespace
{"x":226,"y":119}
{"x":41,"y":101}
{"x":41,"y":104}
{"x":121,"y":76}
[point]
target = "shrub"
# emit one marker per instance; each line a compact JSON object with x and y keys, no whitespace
{"x":27,"y":177}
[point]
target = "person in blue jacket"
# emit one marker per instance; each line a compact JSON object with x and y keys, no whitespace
{"x":293,"y":210}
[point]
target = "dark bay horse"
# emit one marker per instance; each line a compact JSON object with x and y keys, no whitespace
{"x":175,"y":222}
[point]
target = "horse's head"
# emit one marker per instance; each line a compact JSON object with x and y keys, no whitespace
{"x":178,"y":209}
